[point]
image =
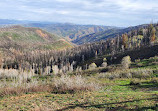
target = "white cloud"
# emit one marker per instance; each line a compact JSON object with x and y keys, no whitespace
{"x":65,"y":0}
{"x":62,"y":12}
{"x":105,"y":12}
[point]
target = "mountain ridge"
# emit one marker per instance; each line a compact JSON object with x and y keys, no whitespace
{"x":103,"y":35}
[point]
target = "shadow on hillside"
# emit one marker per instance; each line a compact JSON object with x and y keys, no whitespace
{"x":105,"y":105}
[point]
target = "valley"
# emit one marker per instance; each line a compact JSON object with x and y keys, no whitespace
{"x":57,"y":67}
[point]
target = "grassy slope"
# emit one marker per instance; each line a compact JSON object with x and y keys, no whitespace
{"x":21,"y":34}
{"x":60,"y":44}
{"x":115,"y":95}
{"x":31,"y":38}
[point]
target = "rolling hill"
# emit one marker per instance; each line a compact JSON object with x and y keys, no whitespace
{"x":30,"y":39}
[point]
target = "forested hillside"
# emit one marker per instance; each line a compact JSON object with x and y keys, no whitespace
{"x":70,"y":59}
{"x":103,"y":35}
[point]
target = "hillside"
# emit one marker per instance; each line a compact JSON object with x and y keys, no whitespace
{"x":103,"y":35}
{"x":17,"y":40}
{"x":120,"y":73}
{"x":70,"y":31}
{"x":27,"y":36}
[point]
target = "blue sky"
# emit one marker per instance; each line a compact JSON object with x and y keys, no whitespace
{"x":99,"y":12}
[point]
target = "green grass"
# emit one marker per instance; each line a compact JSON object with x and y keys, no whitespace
{"x":57,"y":45}
{"x":115,"y":95}
{"x":147,"y":63}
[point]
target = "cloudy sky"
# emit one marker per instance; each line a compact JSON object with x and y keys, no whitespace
{"x":100,"y":12}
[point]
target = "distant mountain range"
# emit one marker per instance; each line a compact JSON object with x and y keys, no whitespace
{"x":71,"y":32}
{"x":77,"y":34}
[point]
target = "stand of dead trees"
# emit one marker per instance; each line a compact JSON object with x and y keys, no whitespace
{"x":68,"y":60}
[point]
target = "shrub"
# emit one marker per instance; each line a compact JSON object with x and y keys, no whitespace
{"x":15,"y":82}
{"x":135,"y":82}
{"x":139,"y":73}
{"x":126,"y":61}
{"x":23,"y":90}
{"x":67,"y":84}
{"x":104,"y":64}
{"x":104,"y":60}
{"x":142,"y":73}
{"x":154,"y":80}
{"x":126,"y":75}
{"x":92,"y":66}
{"x":16,"y":74}
{"x":109,"y":75}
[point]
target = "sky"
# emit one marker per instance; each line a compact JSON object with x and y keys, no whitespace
{"x":121,"y":13}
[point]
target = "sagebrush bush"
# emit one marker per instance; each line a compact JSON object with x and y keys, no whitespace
{"x":14,"y":82}
{"x":142,"y":73}
{"x":16,"y":74}
{"x":104,"y":64}
{"x":23,"y":90}
{"x":92,"y":66}
{"x":17,"y":82}
{"x":67,"y":84}
{"x":135,"y":82}
{"x":126,"y":61}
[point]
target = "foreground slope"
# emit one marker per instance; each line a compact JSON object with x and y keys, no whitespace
{"x":117,"y":94}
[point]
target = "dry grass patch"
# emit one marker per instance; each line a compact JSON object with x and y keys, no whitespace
{"x":23,"y":90}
